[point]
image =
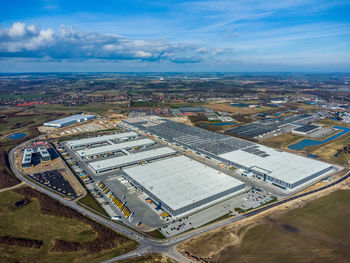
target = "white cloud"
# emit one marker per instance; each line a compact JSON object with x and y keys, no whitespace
{"x":67,"y":43}
{"x":17,"y":30}
{"x":202,"y":50}
{"x":143,"y":54}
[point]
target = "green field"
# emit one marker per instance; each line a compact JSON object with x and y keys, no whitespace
{"x":317,"y":232}
{"x":25,"y":96}
{"x":8,"y":126}
{"x":99,"y":108}
{"x":91,"y":202}
{"x":28,"y":222}
{"x":282,"y":140}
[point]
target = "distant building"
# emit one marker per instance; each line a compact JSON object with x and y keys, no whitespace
{"x":306,"y":129}
{"x":197,"y":110}
{"x":69,"y":120}
{"x":278,"y":100}
{"x":30,"y":153}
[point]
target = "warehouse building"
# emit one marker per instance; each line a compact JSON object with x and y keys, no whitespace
{"x":74,"y":144}
{"x":268,"y":125}
{"x":283,"y":169}
{"x":30,"y":153}
{"x":114,"y":148}
{"x":306,"y":129}
{"x":181,"y":185}
{"x":122,"y":161}
{"x":69,"y":120}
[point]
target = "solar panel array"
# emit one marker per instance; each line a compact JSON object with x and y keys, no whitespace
{"x":262,"y":127}
{"x":256,"y":151}
{"x":306,"y":128}
{"x":194,"y":137}
{"x":253,"y":130}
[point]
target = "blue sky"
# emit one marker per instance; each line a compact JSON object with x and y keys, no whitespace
{"x":141,"y":35}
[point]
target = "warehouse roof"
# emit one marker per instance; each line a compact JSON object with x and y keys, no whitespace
{"x":283,"y":166}
{"x":181,"y":181}
{"x":115,"y":147}
{"x":307,"y":128}
{"x":117,"y":136}
{"x":131,"y":158}
{"x":70,"y":118}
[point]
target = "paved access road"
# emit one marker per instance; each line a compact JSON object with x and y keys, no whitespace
{"x":146,"y":244}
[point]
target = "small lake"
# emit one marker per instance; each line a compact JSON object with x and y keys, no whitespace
{"x":218,"y":124}
{"x":309,"y":142}
{"x":17,"y":136}
{"x":240,"y":105}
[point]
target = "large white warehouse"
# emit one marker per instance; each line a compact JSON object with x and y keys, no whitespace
{"x":113,"y":148}
{"x":69,"y":120}
{"x":280,"y":168}
{"x":118,"y":162}
{"x":181,"y":185}
{"x":73,"y":144}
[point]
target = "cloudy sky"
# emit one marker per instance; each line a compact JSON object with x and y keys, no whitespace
{"x":161,"y":35}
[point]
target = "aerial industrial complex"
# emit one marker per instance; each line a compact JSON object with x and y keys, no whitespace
{"x":165,"y":169}
{"x":282,"y":169}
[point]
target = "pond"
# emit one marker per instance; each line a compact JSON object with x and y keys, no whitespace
{"x":309,"y":142}
{"x":17,"y":136}
{"x":217,"y":124}
{"x":240,"y":105}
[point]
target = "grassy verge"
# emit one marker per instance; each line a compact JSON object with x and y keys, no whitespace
{"x":228,"y":215}
{"x":282,"y":140}
{"x":91,"y":202}
{"x":156,"y":234}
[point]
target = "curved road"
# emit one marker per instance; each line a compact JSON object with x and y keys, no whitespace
{"x":146,"y":244}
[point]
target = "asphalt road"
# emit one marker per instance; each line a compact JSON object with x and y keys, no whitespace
{"x":146,"y":244}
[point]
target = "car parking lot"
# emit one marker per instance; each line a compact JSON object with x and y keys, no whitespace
{"x":55,"y":181}
{"x":231,"y":207}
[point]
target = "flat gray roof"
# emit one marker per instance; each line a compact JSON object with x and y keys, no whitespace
{"x":115,"y":162}
{"x":99,"y":139}
{"x":114,"y":147}
{"x":181,"y":181}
